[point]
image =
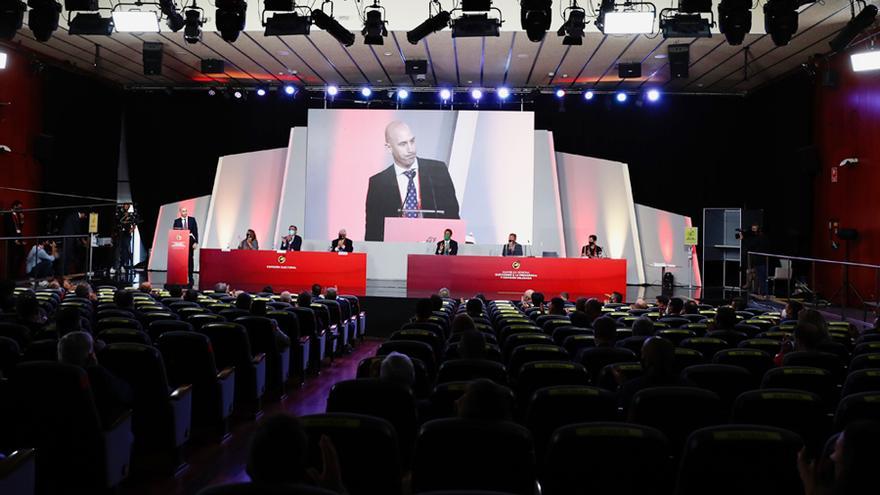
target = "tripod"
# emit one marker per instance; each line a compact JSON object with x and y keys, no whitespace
{"x":846,"y":287}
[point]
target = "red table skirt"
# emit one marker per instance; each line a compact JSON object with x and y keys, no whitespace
{"x":291,"y":271}
{"x":508,"y":277}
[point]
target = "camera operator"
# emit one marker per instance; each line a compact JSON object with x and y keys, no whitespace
{"x":753,"y":240}
{"x":126,"y":221}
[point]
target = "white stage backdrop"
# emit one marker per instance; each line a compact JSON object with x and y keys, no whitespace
{"x":247,"y":191}
{"x":548,"y":234}
{"x":196,"y":208}
{"x":488,"y":156}
{"x":662,"y":238}
{"x":597,"y":199}
{"x":292,"y":206}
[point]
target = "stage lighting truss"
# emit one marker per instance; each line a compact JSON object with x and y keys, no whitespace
{"x":472,"y":19}
{"x":288,"y":18}
{"x":374,"y":31}
{"x":438,"y":19}
{"x":573,"y":27}
{"x":626,"y":17}
{"x":688,"y":20}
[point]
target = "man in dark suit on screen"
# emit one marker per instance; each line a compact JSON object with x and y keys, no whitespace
{"x":410,"y":183}
{"x":186,"y":222}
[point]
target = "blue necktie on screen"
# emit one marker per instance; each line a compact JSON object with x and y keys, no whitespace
{"x":412,"y":199}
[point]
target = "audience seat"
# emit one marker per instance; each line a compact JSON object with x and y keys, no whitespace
{"x":561,"y":333}
{"x":117,"y":322}
{"x":633,"y":343}
{"x":468,"y":454}
{"x":489,"y":335}
{"x":41,"y":350}
{"x":606,"y":458}
{"x":816,"y":380}
{"x":370,"y":368}
{"x":560,"y":405}
{"x":687,"y":357}
{"x":308,"y":326}
{"x":740,"y":459}
{"x":426,"y":336}
{"x":162,"y":417}
{"x":376,"y":397}
{"x":113,"y":313}
{"x":493,"y":353}
{"x":856,"y":407}
{"x":866,"y":380}
{"x":232,"y":349}
{"x":19,"y":333}
{"x":769,"y":346}
{"x":676,"y":411}
{"x":516,"y":340}
{"x":626,"y":371}
{"x":369,"y":459}
{"x":866,"y":348}
{"x":10,"y":355}
{"x":707,"y":346}
{"x":596,"y":358}
{"x":731,"y":337}
{"x":533,"y":352}
{"x":199,"y":320}
{"x":300,"y":344}
{"x":148,"y":318}
{"x":796,"y":410}
{"x":757,"y":362}
{"x":535,"y":375}
{"x":725,"y":380}
{"x":119,"y":335}
{"x":816,"y":359}
{"x":552,"y":324}
{"x":674,"y":321}
{"x":434,"y":328}
{"x":412,"y":348}
{"x":157,"y":328}
{"x":471,"y":369}
{"x":865,"y":361}
{"x":74,"y":450}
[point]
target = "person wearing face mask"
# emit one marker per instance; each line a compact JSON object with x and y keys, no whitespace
{"x":512,"y":248}
{"x":341,"y":243}
{"x":291,"y":242}
{"x":447,"y":247}
{"x":249,"y":241}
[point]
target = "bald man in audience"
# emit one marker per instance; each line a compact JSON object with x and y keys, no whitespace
{"x":409,"y":183}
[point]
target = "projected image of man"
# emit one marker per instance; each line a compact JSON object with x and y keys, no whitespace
{"x":409,"y":184}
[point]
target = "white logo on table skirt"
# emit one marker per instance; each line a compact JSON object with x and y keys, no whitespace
{"x":516,"y":275}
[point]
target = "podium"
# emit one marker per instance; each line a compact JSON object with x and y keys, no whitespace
{"x":399,"y":229}
{"x":178,"y":257}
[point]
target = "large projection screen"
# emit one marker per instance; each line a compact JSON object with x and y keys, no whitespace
{"x":478,"y":162}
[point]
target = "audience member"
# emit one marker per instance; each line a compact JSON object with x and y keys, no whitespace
{"x":443,"y":292}
{"x":423,"y":310}
{"x":675,"y":307}
{"x":191,"y":295}
{"x":791,"y":311}
{"x":739,"y":304}
{"x":813,"y":317}
{"x":67,"y":320}
{"x":581,"y":304}
{"x":84,"y":290}
{"x":462,"y":323}
{"x":557,"y":306}
{"x":658,"y":365}
{"x":605,"y":331}
{"x":643,"y":327}
{"x":286,"y":297}
{"x":244,"y":301}
{"x":526,"y":300}
{"x":639,"y":304}
{"x":175,"y":291}
{"x":856,"y":454}
{"x":398,"y":368}
{"x":474,"y":308}
{"x":29,"y":313}
{"x":485,"y":400}
{"x":593,"y":309}
{"x":268,"y":290}
{"x":436,"y":302}
{"x":691,"y":307}
{"x":221,"y":288}
{"x":316,"y":291}
{"x":662,"y":303}
{"x":258,"y":307}
{"x":304,"y":299}
{"x":725,"y":318}
{"x":146,"y":287}
{"x":472,"y":345}
{"x":564,"y":296}
{"x":579,"y":319}
{"x":615,"y":298}
{"x":538,"y":301}
{"x":807,"y":337}
{"x":112,"y":395}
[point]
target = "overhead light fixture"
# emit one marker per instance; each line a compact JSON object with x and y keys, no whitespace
{"x":626,"y":18}
{"x":173,"y":18}
{"x":90,"y":24}
{"x":735,"y":20}
{"x":332,"y":91}
{"x":289,"y":89}
{"x":3,"y":60}
{"x":374,"y":30}
{"x":332,"y":26}
{"x":135,"y":21}
{"x":476,"y":94}
{"x":192,"y":28}
{"x":573,"y":27}
{"x":653,"y":95}
{"x":856,"y":25}
{"x":621,"y":97}
{"x":43,"y":18}
{"x":781,"y":19}
{"x":366,"y":92}
{"x":437,"y":20}
{"x":535,"y":16}
{"x":402,"y":94}
{"x":11,"y":18}
{"x":445,"y":94}
{"x":261,"y":91}
{"x":503,"y":93}
{"x":560,"y":93}
{"x":229,"y":18}
{"x":81,"y":5}
{"x":588,"y":95}
{"x":865,"y":61}
{"x":685,"y":26}
{"x":289,"y":18}
{"x":473,"y":20}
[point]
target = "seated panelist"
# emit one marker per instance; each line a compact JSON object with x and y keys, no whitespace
{"x":249,"y":241}
{"x":341,"y":243}
{"x":512,"y":248}
{"x":291,"y":242}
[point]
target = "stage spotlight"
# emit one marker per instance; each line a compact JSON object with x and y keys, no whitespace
{"x":43,"y":18}
{"x":237,"y":94}
{"x":230,"y":18}
{"x":192,"y":30}
{"x":445,"y":94}
{"x":90,"y":24}
{"x":476,"y":94}
{"x":332,"y":26}
{"x":535,"y":18}
{"x":856,"y":25}
{"x":621,"y":97}
{"x":366,"y":92}
{"x":560,"y":93}
{"x":573,"y":28}
{"x":212,"y":92}
{"x":136,"y":21}
{"x":865,"y":61}
{"x":781,"y":20}
{"x":289,"y":89}
{"x":173,"y":18}
{"x":474,"y":20}
{"x":588,"y":95}
{"x":653,"y":95}
{"x":402,"y":94}
{"x":434,"y":23}
{"x":332,"y":91}
{"x":374,"y":31}
{"x":626,"y":20}
{"x":11,"y":18}
{"x":735,"y":20}
{"x":3,"y":60}
{"x":261,"y":92}
{"x":503,"y":93}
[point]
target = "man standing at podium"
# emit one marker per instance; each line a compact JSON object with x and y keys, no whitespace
{"x":409,"y":183}
{"x":448,"y":246}
{"x":186,"y":222}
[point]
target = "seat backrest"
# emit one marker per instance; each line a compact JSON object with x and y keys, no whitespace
{"x":333,"y":311}
{"x":376,"y":397}
{"x":725,"y":380}
{"x":262,"y":489}
{"x":561,"y":333}
{"x":41,"y":350}
{"x":231,"y":344}
{"x":535,"y":375}
{"x":426,"y":336}
{"x":574,"y":343}
{"x":287,"y":323}
{"x":117,"y":322}
{"x":685,"y":357}
{"x":533,"y":352}
{"x":157,"y":328}
{"x":865,"y":361}
{"x":10,"y":355}
{"x":856,"y":407}
{"x":261,"y":333}
{"x":676,"y":411}
{"x":413,"y":349}
{"x":769,"y":346}
{"x":816,"y":380}
{"x":516,"y":340}
{"x":559,"y":405}
{"x":796,"y":410}
{"x":232,"y":313}
{"x":737,"y":459}
{"x":475,"y":455}
{"x":471,"y":369}
{"x":596,"y":358}
{"x":604,"y":457}
{"x":307,"y":323}
{"x":865,"y":380}
{"x":757,"y":362}
{"x":817,"y":359}
{"x":369,"y":459}
{"x":201,"y":319}
{"x":188,"y":357}
{"x":708,"y":346}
